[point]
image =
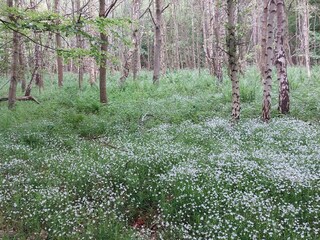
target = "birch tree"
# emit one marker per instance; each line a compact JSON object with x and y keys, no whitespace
{"x":136,"y":37}
{"x":304,"y":9}
{"x":281,"y":60}
{"x":233,"y":59}
{"x":267,"y":78}
{"x":158,"y":42}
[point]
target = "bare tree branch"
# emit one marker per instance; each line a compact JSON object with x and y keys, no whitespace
{"x":147,"y":9}
{"x":163,"y":9}
{"x":110,"y":8}
{"x":28,"y":37}
{"x":154,"y":22}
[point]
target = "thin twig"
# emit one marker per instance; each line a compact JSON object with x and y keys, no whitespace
{"x":26,"y":36}
{"x":147,"y":9}
{"x":154,"y":22}
{"x":110,"y":8}
{"x":5,"y":84}
{"x":165,"y":8}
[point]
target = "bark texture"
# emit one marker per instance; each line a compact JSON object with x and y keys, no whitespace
{"x":281,"y":60}
{"x":305,"y":34}
{"x":103,"y":58}
{"x":158,"y":42}
{"x":233,"y":60}
{"x":59,"y":46}
{"x":79,"y":45}
{"x":136,"y":35}
{"x":267,"y":80}
{"x":14,"y":66}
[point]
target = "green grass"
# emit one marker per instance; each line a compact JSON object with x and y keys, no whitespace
{"x":161,"y":161}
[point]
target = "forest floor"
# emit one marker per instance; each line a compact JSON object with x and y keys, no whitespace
{"x":161,"y":162}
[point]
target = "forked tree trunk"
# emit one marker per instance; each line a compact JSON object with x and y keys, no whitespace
{"x":59,"y":46}
{"x":103,"y":57}
{"x":14,"y":66}
{"x":158,"y":42}
{"x":233,"y":60}
{"x":267,"y":80}
{"x":281,"y":60}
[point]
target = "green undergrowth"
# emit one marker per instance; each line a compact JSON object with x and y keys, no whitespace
{"x":161,"y":162}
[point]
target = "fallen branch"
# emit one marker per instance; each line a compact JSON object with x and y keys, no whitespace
{"x":24,"y":98}
{"x":102,"y":141}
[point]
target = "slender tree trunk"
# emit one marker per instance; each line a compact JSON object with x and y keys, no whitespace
{"x":263,"y":39}
{"x":267,"y":80}
{"x":37,"y":63}
{"x":281,"y":60}
{"x":79,"y":45}
{"x":59,"y":46}
{"x":14,"y":65}
{"x":208,"y":43}
{"x":136,"y":36}
{"x":22,"y":64}
{"x":158,"y":42}
{"x":91,"y":60}
{"x":176,"y":57}
{"x":164,"y":50}
{"x":37,"y":54}
{"x":193,"y":46}
{"x":218,"y":55}
{"x":305,"y":34}
{"x":233,"y":60}
{"x":103,"y":58}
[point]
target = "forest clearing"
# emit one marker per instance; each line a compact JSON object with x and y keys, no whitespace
{"x":161,"y":162}
{"x":159,"y":119}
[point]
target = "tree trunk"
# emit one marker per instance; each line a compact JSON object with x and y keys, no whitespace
{"x":59,"y":46}
{"x":193,"y":46}
{"x":22,"y":65}
{"x":37,"y":63}
{"x":263,"y":39}
{"x":158,"y":42}
{"x":80,"y":46}
{"x":15,"y":60}
{"x":218,"y":55}
{"x":136,"y":35}
{"x":233,"y":60}
{"x":267,"y":79}
{"x":103,"y":57}
{"x":176,"y":57}
{"x":305,"y":34}
{"x":91,"y":60}
{"x":208,"y":35}
{"x":281,"y":60}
